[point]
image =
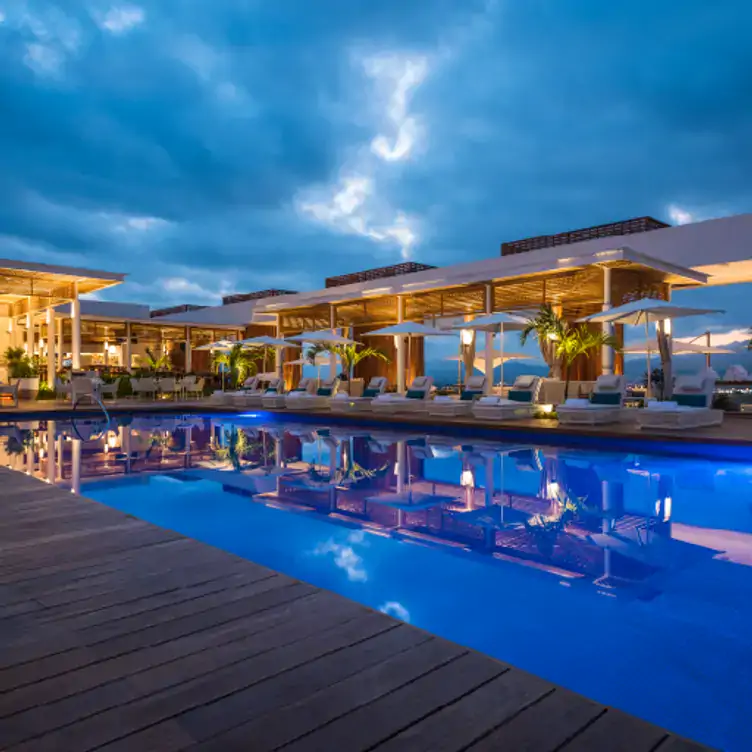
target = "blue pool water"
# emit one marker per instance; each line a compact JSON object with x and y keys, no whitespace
{"x":625,"y":577}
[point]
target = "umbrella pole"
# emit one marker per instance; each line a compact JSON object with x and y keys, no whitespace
{"x":707,"y":355}
{"x":501,"y":350}
{"x":647,"y":353}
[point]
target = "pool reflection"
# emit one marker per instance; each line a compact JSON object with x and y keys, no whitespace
{"x":618,"y":522}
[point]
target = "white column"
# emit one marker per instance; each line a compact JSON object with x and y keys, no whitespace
{"x":188,"y":350}
{"x":400,"y":347}
{"x":106,"y":353}
{"x":59,"y":460}
{"x":607,"y":353}
{"x":29,"y":343}
{"x":59,"y":347}
{"x":489,"y":343}
{"x":127,"y":347}
{"x":75,"y":312}
{"x":51,"y":348}
{"x":278,"y":350}
{"x":76,"y":466}
{"x":333,"y":327}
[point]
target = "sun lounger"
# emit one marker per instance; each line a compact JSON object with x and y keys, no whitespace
{"x":520,"y":402}
{"x":344,"y":403}
{"x":691,"y":406}
{"x":446,"y":407}
{"x":415,"y":400}
{"x":316,"y":400}
{"x":273,"y":397}
{"x":604,"y":406}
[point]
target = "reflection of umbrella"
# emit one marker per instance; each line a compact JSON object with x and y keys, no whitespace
{"x":643,"y":311}
{"x":409,"y":329}
{"x":492,"y":323}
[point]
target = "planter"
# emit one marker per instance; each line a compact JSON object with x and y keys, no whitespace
{"x":27,"y":388}
{"x":356,"y":387}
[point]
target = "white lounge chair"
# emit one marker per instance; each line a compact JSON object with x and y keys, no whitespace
{"x":219,"y":397}
{"x":691,"y":406}
{"x":274,"y":397}
{"x":344,"y":403}
{"x":606,"y":403}
{"x":418,"y":394}
{"x":445,"y":407}
{"x":520,"y":402}
{"x":317,"y":400}
{"x":252,"y":385}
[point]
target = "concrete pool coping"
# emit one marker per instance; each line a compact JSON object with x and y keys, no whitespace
{"x":122,"y":635}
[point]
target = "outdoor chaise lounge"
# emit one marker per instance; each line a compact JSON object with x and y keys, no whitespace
{"x":444,"y":407}
{"x":519,"y":403}
{"x":604,"y":406}
{"x":344,"y":403}
{"x":273,"y":396}
{"x":252,"y":387}
{"x":691,"y":406}
{"x":416,"y":399}
{"x":218,"y":397}
{"x":316,"y":400}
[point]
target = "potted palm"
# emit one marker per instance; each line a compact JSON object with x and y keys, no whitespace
{"x":21,"y":371}
{"x":579,"y":340}
{"x":237,"y":363}
{"x":350,"y":356}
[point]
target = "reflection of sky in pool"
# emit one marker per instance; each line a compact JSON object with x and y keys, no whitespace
{"x":626,"y":578}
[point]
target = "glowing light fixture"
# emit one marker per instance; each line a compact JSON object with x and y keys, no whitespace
{"x":467,"y":480}
{"x":467,"y":336}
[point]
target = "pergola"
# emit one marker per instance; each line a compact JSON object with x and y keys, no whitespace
{"x":575,"y":286}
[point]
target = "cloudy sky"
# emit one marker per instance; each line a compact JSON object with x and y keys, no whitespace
{"x":227,"y":146}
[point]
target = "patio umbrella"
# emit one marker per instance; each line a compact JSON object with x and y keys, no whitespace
{"x":266,"y":341}
{"x":327,"y":337}
{"x":495,"y":322}
{"x":644,"y":311}
{"x":223,"y":345}
{"x":409,"y":329}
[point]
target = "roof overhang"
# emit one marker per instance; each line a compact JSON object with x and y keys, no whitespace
{"x":26,"y":287}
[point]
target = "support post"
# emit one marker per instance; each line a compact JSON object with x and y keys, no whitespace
{"x":188,"y":350}
{"x":75,"y":329}
{"x":59,"y":347}
{"x":51,"y":348}
{"x":332,"y":355}
{"x":607,"y":353}
{"x":400,"y":346}
{"x":127,"y":347}
{"x":76,"y":466}
{"x":489,"y":343}
{"x":278,"y":350}
{"x":51,"y":453}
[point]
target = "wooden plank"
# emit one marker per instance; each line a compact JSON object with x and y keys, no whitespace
{"x":379,"y":720}
{"x":544,"y":725}
{"x":617,"y":732}
{"x":291,"y":721}
{"x":459,"y":724}
{"x":676,"y":744}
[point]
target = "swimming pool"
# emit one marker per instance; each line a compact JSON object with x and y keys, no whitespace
{"x":626,"y":577}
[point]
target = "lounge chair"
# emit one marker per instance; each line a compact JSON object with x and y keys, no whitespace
{"x":520,"y":402}
{"x":416,"y":399}
{"x":274,"y":396}
{"x":318,"y":400}
{"x":691,"y":406}
{"x":219,"y":397}
{"x":344,"y":403}
{"x":604,"y":406}
{"x":445,"y":407}
{"x":252,"y":385}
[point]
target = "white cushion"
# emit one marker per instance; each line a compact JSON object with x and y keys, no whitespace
{"x":491,"y":400}
{"x":609,"y":381}
{"x":444,"y":398}
{"x":654,"y":405}
{"x":341,"y":396}
{"x":576,"y":402}
{"x":524,"y":382}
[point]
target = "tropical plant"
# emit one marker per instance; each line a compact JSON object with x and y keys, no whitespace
{"x":238,"y":362}
{"x":547,"y":327}
{"x":154,"y":363}
{"x":19,"y":364}
{"x":350,"y":355}
{"x":580,"y":340}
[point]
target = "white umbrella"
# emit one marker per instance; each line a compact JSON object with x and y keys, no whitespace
{"x":325,"y":336}
{"x":644,"y":311}
{"x":266,"y":341}
{"x":492,"y":323}
{"x":409,"y":329}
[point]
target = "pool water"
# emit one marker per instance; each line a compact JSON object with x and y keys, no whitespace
{"x":625,"y":577}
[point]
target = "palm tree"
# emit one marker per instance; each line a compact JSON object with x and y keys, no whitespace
{"x":157,"y":363}
{"x":548,"y":328}
{"x":350,"y":355}
{"x":239,"y":363}
{"x":580,"y":340}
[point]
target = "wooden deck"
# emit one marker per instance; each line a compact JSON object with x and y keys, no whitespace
{"x":118,"y":635}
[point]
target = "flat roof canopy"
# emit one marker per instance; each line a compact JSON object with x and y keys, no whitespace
{"x":26,"y":287}
{"x":520,"y":282}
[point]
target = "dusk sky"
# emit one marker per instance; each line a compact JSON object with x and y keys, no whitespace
{"x":214,"y":147}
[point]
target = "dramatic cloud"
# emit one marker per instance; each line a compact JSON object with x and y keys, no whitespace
{"x":211,"y":147}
